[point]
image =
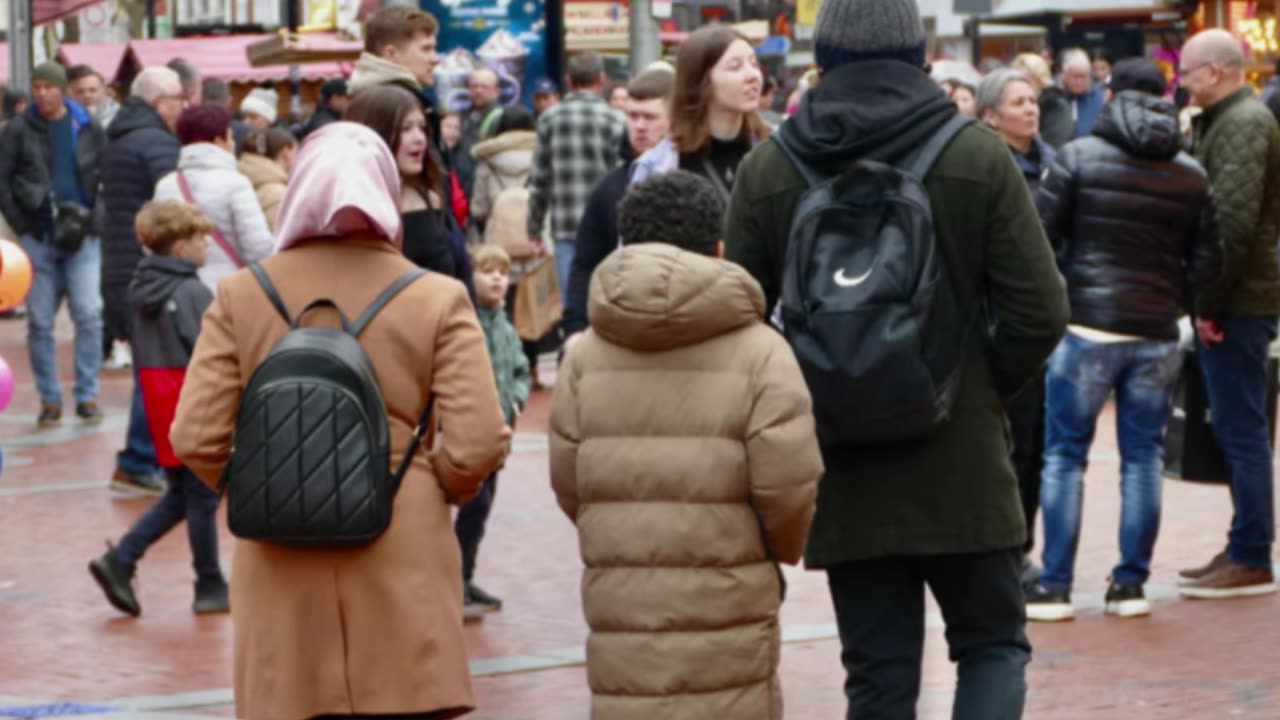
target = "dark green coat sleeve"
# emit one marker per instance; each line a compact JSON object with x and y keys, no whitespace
{"x":1026,"y":293}
{"x":758,"y":218}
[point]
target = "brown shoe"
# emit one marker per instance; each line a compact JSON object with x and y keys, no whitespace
{"x":89,"y":412}
{"x":1231,"y":580}
{"x":50,"y":416}
{"x":1196,"y":573}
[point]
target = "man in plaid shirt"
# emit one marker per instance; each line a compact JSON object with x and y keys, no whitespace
{"x":578,"y":142}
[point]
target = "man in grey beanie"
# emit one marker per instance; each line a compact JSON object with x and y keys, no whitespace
{"x":49,"y":158}
{"x":940,"y":511}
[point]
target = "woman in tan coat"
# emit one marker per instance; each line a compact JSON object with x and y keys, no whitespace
{"x":376,"y":629}
{"x":683,"y":447}
{"x":266,"y":160}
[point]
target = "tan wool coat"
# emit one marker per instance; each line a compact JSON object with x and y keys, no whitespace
{"x":269,"y":181}
{"x":683,"y":447}
{"x":375,"y":629}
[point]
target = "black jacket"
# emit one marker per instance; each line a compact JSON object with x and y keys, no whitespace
{"x":597,"y":237}
{"x":1132,"y":220}
{"x":324,"y":115}
{"x":1057,"y":127}
{"x":140,"y":151}
{"x":26,"y":159}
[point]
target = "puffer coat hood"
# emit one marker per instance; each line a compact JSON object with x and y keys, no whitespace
{"x":501,"y":162}
{"x":687,"y":483}
{"x":657,"y":297}
{"x":1132,"y":221}
{"x":1142,"y":125}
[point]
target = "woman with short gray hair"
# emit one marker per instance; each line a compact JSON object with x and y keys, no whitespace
{"x":1007,"y":101}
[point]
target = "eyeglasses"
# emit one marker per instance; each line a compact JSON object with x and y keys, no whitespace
{"x":1193,"y":68}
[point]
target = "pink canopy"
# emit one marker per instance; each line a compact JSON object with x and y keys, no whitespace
{"x":105,"y":57}
{"x":224,"y":58}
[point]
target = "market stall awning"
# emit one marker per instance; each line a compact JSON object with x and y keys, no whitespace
{"x":1017,"y":9}
{"x":47,"y":11}
{"x":225,"y":58}
{"x":4,"y":62}
{"x":103,"y":57}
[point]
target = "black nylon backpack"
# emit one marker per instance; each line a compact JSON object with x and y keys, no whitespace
{"x":311,"y":462}
{"x":867,"y":303}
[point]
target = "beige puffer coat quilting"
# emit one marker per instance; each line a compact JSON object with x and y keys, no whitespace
{"x":683,"y":447}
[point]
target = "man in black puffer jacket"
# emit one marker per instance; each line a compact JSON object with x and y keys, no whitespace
{"x":1132,"y":220}
{"x":141,"y":149}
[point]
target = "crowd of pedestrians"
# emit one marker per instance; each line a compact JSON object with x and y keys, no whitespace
{"x":729,"y":275}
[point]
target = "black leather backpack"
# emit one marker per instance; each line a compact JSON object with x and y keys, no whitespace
{"x":311,"y":462}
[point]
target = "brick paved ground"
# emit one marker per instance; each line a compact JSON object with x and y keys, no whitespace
{"x":60,"y":642}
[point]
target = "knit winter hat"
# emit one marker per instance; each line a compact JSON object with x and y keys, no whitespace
{"x":261,"y":101}
{"x":51,"y":72}
{"x":852,"y":30}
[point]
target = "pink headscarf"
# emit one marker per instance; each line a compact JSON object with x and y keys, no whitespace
{"x":344,"y":181}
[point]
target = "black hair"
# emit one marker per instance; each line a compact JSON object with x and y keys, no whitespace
{"x":515,"y":117}
{"x":678,"y":208}
{"x":12,"y":99}
{"x":80,"y":72}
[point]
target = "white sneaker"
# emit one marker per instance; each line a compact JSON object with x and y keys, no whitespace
{"x":121,"y":356}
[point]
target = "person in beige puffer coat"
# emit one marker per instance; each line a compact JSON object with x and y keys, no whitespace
{"x":683,"y":448}
{"x":266,"y":161}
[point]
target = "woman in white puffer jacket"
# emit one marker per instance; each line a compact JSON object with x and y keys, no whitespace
{"x":208,"y":165}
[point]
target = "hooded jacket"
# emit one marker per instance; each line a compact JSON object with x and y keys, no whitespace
{"x":228,"y":199}
{"x":140,"y":150}
{"x":26,"y":162}
{"x":502,"y":162}
{"x":954,"y":491}
{"x":687,"y":482}
{"x":1132,"y":220}
{"x":167,"y":301}
{"x":269,"y":181}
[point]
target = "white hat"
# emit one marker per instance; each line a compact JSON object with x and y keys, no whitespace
{"x":261,"y":102}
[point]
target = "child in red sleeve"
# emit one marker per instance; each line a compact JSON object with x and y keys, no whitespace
{"x":167,"y":301}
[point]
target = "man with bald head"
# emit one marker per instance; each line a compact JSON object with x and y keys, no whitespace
{"x":479,"y":123}
{"x":1086,"y":98}
{"x":141,"y":149}
{"x":1238,"y":142}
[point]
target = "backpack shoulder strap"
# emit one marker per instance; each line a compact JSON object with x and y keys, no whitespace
{"x":918,"y":164}
{"x":381,"y":301}
{"x":811,"y":177}
{"x":272,"y":294}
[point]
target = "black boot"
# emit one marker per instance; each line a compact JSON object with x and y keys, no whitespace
{"x":116,"y":580}
{"x":212,"y":596}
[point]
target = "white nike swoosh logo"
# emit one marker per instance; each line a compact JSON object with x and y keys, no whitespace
{"x":843,"y":281}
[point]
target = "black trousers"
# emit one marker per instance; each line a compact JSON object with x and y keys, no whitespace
{"x":115,"y":314}
{"x":880,"y":610}
{"x":1026,"y":420}
{"x":470,"y":523}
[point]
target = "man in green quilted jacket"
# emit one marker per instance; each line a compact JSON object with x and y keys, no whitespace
{"x":1238,"y":142}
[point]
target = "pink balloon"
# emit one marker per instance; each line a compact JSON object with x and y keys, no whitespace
{"x":6,"y":384}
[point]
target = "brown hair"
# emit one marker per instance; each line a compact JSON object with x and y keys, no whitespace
{"x":268,"y":143}
{"x":486,"y":257}
{"x":397,"y":25}
{"x":162,"y":223}
{"x":690,"y":128}
{"x":383,"y":109}
{"x":655,"y":84}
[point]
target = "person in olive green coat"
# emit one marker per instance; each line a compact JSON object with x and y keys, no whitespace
{"x":1238,"y":142}
{"x":942,"y":510}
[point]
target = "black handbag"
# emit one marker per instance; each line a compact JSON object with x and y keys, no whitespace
{"x":1190,"y":450}
{"x":71,"y":225}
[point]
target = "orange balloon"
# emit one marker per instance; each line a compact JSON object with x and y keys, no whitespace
{"x":15,"y":275}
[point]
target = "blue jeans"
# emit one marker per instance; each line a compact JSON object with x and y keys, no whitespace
{"x":188,"y":499}
{"x":1082,"y":375}
{"x":564,"y":265}
{"x":139,"y":454}
{"x":1235,"y":377}
{"x":78,"y":277}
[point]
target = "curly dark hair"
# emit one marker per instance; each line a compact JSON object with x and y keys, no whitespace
{"x":678,"y":208}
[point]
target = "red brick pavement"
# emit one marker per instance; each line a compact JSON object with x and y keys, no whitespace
{"x":59,"y":641}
